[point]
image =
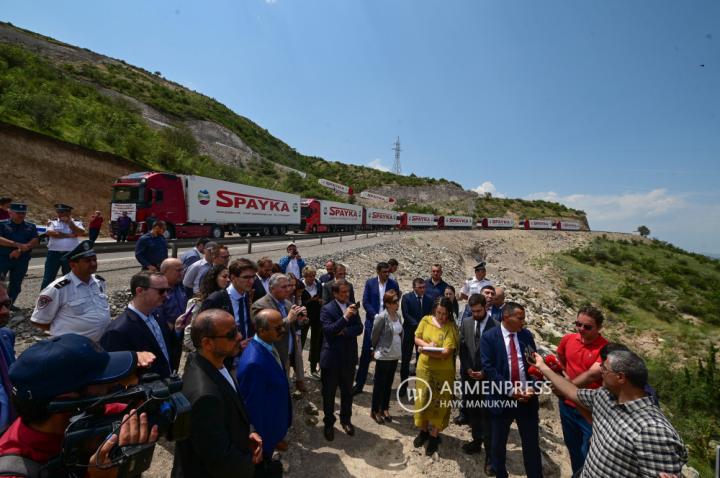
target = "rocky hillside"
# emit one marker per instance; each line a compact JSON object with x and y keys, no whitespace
{"x":103,"y":104}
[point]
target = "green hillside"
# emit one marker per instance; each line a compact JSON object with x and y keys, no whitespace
{"x":655,"y":291}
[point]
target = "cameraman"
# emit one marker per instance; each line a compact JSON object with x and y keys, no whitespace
{"x":67,"y":367}
{"x":292,"y":262}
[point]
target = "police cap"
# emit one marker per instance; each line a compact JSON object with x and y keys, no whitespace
{"x":84,"y":249}
{"x":18,"y":207}
{"x":63,"y":207}
{"x":480,"y":266}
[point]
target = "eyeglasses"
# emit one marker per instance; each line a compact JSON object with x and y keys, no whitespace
{"x":584,"y":326}
{"x":230,"y":335}
{"x":604,"y":370}
{"x":279,"y":328}
{"x":161,"y":290}
{"x":224,"y":257}
{"x":394,"y":301}
{"x":247,"y":277}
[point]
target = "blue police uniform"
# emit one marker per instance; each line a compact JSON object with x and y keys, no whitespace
{"x":16,"y":268}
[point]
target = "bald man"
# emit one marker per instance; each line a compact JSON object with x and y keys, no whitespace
{"x":174,"y":304}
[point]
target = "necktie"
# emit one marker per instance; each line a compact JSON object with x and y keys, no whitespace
{"x":420,"y":304}
{"x":277,"y":356}
{"x":242,"y":317}
{"x":514,"y":364}
{"x":477,"y":332}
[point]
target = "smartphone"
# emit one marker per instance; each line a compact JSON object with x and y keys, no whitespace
{"x":188,"y":315}
{"x":357,"y":305}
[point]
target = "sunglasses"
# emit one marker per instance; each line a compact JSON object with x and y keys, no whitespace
{"x":230,"y":335}
{"x":279,"y":328}
{"x":247,"y":277}
{"x":395,"y":301}
{"x":584,"y":326}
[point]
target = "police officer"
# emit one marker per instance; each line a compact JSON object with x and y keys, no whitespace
{"x":76,"y":302}
{"x":63,"y":233}
{"x":17,"y":238}
{"x":474,"y":285}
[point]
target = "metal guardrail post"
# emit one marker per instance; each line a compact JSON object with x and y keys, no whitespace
{"x":321,"y":238}
{"x":249,"y":246}
{"x":174,"y":249}
{"x":356,"y":235}
{"x":341,"y":237}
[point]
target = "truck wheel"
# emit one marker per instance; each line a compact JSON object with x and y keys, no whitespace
{"x":265,"y":231}
{"x":283,"y":230}
{"x":169,"y":232}
{"x":275,"y":231}
{"x":217,"y":232}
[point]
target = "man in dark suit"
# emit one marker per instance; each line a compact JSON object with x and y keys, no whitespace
{"x":340,"y":273}
{"x":261,"y":286}
{"x":375,"y":289}
{"x":329,"y":276}
{"x":471,"y":331}
{"x":341,"y":326}
{"x":415,"y":305}
{"x":222,"y":441}
{"x":277,"y":299}
{"x":235,"y":300}
{"x":137,"y":329}
{"x":263,"y":384}
{"x":513,"y":394}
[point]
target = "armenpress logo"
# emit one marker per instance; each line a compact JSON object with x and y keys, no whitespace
{"x":421,"y":394}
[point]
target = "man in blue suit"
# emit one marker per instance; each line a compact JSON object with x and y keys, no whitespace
{"x":513,"y":393}
{"x":341,"y":325}
{"x":137,"y":329}
{"x":375,"y":289}
{"x":263,"y":384}
{"x":415,"y":305}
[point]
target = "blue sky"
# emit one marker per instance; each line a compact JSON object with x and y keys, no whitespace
{"x":608,"y":106}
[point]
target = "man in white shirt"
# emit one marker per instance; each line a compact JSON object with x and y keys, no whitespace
{"x":63,"y":232}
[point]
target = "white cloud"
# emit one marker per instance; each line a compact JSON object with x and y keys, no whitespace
{"x":619,"y":207}
{"x":488,"y":187}
{"x":377,"y":164}
{"x":271,"y":2}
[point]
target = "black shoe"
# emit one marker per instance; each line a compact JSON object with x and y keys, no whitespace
{"x":377,"y":417}
{"x":357,"y":391}
{"x":432,"y":446}
{"x":472,"y":447}
{"x":329,"y":433}
{"x":489,"y":470}
{"x":349,"y":429}
{"x":388,"y":418}
{"x":460,"y":420}
{"x":420,"y":439}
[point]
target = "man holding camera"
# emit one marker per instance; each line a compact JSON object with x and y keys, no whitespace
{"x":67,"y":368}
{"x":222,"y":441}
{"x":280,"y":289}
{"x":292,"y":262}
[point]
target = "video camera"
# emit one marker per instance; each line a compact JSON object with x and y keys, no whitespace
{"x":98,"y":417}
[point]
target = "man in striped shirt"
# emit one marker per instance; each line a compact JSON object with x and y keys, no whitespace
{"x":630,"y":435}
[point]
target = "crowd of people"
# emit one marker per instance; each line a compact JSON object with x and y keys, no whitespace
{"x":243,"y":325}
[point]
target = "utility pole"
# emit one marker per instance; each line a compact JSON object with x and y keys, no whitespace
{"x":396,"y":165}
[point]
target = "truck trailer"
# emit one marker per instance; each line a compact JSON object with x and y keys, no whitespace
{"x":194,"y":206}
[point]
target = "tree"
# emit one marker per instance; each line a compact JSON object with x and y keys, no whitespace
{"x":644,"y":231}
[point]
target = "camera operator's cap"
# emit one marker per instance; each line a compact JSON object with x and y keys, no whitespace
{"x":65,"y":364}
{"x":18,"y":207}
{"x":480,"y":265}
{"x":84,"y":249}
{"x":63,"y":207}
{"x":291,"y":244}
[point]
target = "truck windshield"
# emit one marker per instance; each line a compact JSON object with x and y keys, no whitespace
{"x":305,"y":212}
{"x":126,"y":194}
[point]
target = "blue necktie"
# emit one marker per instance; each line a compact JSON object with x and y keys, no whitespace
{"x":242,"y":316}
{"x":155,"y":329}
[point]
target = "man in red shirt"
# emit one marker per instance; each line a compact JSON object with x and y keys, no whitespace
{"x":577,"y":353}
{"x":67,"y":367}
{"x":96,"y":221}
